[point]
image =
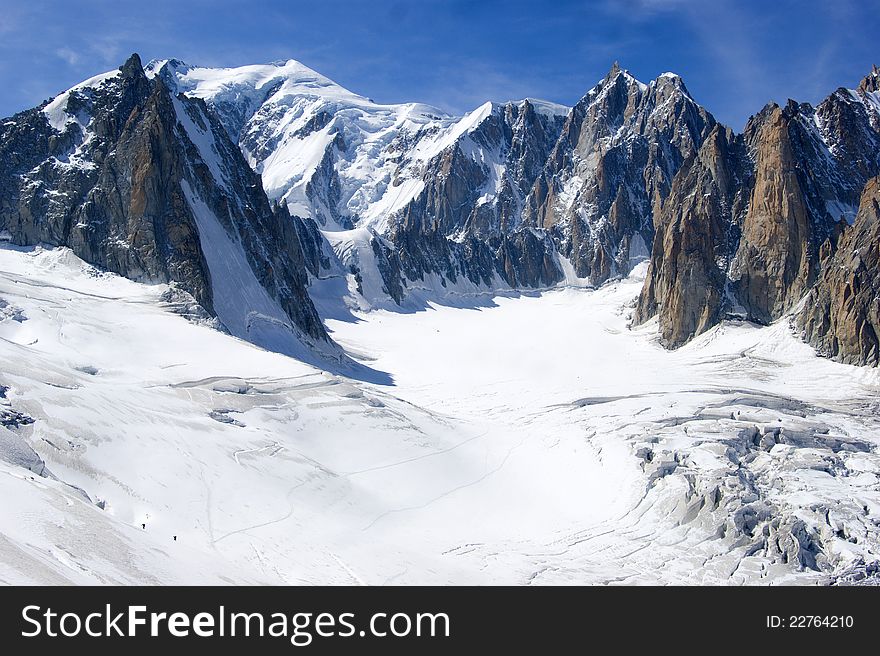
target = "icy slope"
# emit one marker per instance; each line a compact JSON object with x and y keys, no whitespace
{"x":328,"y":153}
{"x":499,"y":455}
{"x":331,"y":154}
{"x":53,"y":536}
{"x":247,"y":456}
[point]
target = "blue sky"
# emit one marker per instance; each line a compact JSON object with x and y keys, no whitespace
{"x":734,"y":56}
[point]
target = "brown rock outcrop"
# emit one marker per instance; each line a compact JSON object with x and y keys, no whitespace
{"x":685,"y":284}
{"x":754,"y":240}
{"x":841,"y":315}
{"x":777,"y":259}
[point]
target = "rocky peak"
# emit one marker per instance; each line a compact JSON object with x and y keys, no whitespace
{"x":793,"y":108}
{"x":869,"y":93}
{"x":871,"y":82}
{"x":613,"y":100}
{"x":686,"y":280}
{"x":757,"y":121}
{"x":605,"y":180}
{"x":619,"y":74}
{"x":793,"y":184}
{"x":132,"y":68}
{"x":147,"y":185}
{"x":670,"y":79}
{"x":841,"y":316}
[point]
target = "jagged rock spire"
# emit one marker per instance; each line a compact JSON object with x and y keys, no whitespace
{"x":132,"y":67}
{"x":871,"y":82}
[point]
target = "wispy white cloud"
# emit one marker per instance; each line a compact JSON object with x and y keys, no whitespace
{"x":69,"y":55}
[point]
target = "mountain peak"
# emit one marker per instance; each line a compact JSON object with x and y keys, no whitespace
{"x":673,"y":80}
{"x":614,"y":74}
{"x":871,"y":81}
{"x":670,"y":78}
{"x":132,"y":68}
{"x":156,"y":65}
{"x":616,"y":71}
{"x":290,"y":62}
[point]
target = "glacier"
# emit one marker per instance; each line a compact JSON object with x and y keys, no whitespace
{"x":526,"y":439}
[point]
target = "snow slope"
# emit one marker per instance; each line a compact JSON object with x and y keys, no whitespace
{"x":515,"y":445}
{"x":286,"y":117}
{"x":745,"y":419}
{"x":302,"y":132}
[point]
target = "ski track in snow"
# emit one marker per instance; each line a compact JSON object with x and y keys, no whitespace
{"x":527,"y":440}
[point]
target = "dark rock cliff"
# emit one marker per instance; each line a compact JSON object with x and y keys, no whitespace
{"x":752,"y":221}
{"x":841,"y":315}
{"x":115,"y":177}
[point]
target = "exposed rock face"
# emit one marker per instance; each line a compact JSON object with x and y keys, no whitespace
{"x":465,"y":223}
{"x":841,"y":316}
{"x":686,"y":284}
{"x":612,"y":167}
{"x":48,"y":170}
{"x":478,"y":184}
{"x":134,"y":180}
{"x":311,"y":243}
{"x":868,"y":91}
{"x":750,"y":237}
{"x":810,"y":166}
{"x":389,"y":269}
{"x":778,"y":255}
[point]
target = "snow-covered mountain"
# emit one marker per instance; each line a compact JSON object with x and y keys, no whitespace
{"x":147,"y":184}
{"x":171,"y":235}
{"x":325,"y":152}
{"x":485,"y":201}
{"x":337,"y":157}
{"x":380,"y":180}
